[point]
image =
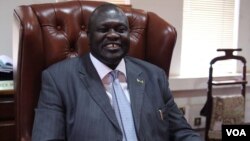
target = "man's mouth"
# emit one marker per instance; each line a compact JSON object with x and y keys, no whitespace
{"x":112,"y":46}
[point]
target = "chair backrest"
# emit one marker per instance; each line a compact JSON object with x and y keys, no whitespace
{"x":50,"y":32}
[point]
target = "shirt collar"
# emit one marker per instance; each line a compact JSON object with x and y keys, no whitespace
{"x":103,"y":70}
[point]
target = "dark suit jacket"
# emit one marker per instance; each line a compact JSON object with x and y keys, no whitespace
{"x":74,"y":106}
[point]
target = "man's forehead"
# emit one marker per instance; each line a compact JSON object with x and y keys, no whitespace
{"x":107,"y":7}
{"x":111,"y":16}
{"x":107,"y":14}
{"x":114,"y":12}
{"x":110,"y":13}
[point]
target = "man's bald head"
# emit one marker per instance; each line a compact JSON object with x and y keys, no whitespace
{"x":102,"y":11}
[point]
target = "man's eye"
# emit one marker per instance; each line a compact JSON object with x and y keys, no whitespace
{"x":122,"y":29}
{"x":102,"y":30}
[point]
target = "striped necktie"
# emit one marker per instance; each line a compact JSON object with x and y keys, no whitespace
{"x":122,"y":109}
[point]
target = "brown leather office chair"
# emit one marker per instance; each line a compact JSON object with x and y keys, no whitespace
{"x":47,"y":33}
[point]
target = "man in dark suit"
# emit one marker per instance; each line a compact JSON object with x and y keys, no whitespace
{"x":76,"y":105}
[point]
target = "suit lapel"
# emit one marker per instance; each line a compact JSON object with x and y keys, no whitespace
{"x":93,"y":83}
{"x":136,"y":86}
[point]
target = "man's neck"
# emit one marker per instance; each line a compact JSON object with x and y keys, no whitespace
{"x":103,"y":69}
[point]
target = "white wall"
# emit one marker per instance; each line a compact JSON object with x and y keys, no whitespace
{"x":171,"y":11}
{"x":193,"y":99}
{"x":6,"y":16}
{"x":244,"y":30}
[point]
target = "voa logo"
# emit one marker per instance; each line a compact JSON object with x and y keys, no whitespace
{"x":236,"y":132}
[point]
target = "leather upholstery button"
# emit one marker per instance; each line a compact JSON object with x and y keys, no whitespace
{"x":71,"y":49}
{"x":83,"y":27}
{"x":58,"y":27}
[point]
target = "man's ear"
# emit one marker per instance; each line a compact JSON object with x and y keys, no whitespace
{"x":87,"y":31}
{"x":88,"y":35}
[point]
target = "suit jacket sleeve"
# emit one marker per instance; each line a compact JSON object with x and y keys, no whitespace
{"x":49,"y":116}
{"x":180,"y":130}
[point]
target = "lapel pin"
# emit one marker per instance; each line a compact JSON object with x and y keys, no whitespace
{"x":140,"y":81}
{"x":161,"y":114}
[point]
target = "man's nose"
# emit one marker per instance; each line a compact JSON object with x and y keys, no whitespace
{"x":112,"y":35}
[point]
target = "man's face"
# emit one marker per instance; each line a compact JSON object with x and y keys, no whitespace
{"x":109,"y":37}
